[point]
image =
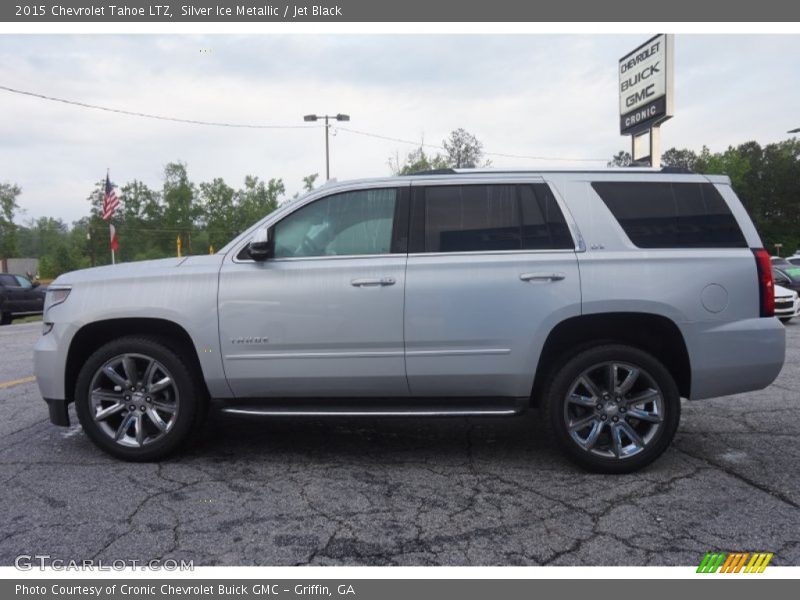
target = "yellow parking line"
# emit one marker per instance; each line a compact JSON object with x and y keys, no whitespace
{"x":13,"y":382}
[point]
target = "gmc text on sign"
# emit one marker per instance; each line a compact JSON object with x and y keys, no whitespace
{"x":645,"y":85}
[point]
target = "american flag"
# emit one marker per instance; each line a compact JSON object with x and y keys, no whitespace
{"x":110,"y":200}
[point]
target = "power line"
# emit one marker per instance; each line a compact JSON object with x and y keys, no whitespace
{"x":151,"y":116}
{"x":255,"y":126}
{"x":437,"y":147}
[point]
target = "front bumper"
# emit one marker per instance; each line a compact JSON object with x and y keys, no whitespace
{"x":786,"y":308}
{"x":59,"y":415}
{"x":49,"y":364}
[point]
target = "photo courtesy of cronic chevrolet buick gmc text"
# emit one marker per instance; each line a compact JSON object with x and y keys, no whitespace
{"x":598,"y":298}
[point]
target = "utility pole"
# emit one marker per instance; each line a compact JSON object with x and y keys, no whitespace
{"x":337,"y":117}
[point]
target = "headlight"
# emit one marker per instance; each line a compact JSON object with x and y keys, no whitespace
{"x":56,"y":296}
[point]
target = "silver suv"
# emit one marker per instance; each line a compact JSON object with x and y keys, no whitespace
{"x":599,"y":298}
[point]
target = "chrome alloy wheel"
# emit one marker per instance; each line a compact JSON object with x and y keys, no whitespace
{"x":614,"y":410}
{"x":134,"y":400}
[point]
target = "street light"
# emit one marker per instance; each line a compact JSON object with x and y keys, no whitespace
{"x":794,"y":130}
{"x":337,"y":117}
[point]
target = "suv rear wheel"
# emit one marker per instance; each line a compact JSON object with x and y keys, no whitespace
{"x":612,"y":408}
{"x":137,"y":399}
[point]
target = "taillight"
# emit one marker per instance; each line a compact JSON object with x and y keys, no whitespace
{"x":766,"y":287}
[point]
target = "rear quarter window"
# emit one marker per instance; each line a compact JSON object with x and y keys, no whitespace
{"x":671,"y":215}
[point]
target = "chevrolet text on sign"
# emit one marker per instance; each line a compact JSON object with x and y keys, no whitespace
{"x":645,"y":85}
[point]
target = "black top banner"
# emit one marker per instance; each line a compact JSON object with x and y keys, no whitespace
{"x":399,"y":11}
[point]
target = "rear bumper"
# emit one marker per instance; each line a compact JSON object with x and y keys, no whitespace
{"x":732,"y":358}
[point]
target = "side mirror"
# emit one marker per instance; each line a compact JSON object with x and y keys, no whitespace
{"x":35,"y":284}
{"x":260,"y":247}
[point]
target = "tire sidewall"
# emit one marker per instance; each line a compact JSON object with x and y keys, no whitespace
{"x":182,"y":377}
{"x":556,"y":396}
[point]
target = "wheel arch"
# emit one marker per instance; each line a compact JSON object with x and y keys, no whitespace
{"x":655,"y":334}
{"x":93,"y":335}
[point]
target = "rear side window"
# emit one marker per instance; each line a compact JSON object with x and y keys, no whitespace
{"x":8,"y":281}
{"x":671,"y":215}
{"x":483,"y":218}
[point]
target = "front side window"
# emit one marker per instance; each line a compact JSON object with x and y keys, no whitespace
{"x":352,"y":223}
{"x":483,"y":218}
{"x":23,"y":281}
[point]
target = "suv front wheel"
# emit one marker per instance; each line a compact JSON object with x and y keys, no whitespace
{"x":612,"y":408}
{"x":137,"y":399}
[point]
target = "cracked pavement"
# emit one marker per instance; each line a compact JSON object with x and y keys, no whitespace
{"x":400,"y":492}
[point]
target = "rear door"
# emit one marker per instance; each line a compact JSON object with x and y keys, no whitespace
{"x":491,"y":269}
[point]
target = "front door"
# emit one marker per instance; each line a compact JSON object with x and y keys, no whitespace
{"x":323,"y":317}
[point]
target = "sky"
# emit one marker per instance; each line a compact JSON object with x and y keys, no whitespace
{"x":533,"y":95}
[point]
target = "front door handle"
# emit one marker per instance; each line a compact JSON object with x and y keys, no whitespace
{"x":372,"y":282}
{"x":542,"y":276}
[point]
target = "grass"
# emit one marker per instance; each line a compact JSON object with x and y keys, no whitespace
{"x":29,"y":319}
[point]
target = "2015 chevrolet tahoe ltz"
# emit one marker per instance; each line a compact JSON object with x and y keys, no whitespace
{"x":600,"y":298}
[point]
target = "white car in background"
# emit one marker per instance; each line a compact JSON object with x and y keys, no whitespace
{"x":787,"y":304}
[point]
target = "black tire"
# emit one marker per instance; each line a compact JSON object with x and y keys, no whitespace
{"x":785,"y":319}
{"x":5,"y":318}
{"x":601,"y":454}
{"x":189,"y":400}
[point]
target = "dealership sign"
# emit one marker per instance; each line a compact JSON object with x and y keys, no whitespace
{"x":645,"y":85}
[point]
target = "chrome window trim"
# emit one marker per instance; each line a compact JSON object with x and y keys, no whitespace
{"x":413,"y":254}
{"x":290,"y":207}
{"x":399,"y":183}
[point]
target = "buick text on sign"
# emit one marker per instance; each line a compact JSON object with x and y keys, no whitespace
{"x":644,"y":85}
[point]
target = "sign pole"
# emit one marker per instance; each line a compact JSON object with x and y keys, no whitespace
{"x":655,"y":146}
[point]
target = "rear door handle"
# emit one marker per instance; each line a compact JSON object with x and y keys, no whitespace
{"x":542,"y":276}
{"x":372,"y":282}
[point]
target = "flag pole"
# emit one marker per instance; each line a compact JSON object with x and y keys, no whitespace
{"x":110,"y":230}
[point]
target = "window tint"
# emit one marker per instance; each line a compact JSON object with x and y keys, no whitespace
{"x":345,"y":224}
{"x":543,"y":224}
{"x":480,"y":218}
{"x":9,"y":281}
{"x":671,"y":215}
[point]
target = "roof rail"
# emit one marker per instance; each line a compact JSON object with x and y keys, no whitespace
{"x":436,"y":172}
{"x":679,"y":170}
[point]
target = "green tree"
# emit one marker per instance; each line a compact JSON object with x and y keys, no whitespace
{"x":418,"y":161}
{"x":256,"y":200}
{"x":464,"y":151}
{"x":49,"y":240}
{"x":219,"y":216}
{"x":180,"y":208}
{"x":620,"y":159}
{"x":138,"y":221}
{"x":308,"y":181}
{"x":682,"y":159}
{"x":8,"y":230}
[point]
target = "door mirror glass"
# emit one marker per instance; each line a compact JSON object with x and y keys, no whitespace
{"x":260,"y":247}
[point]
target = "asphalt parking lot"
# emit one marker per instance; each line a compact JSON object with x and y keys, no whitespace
{"x":409,"y":492}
